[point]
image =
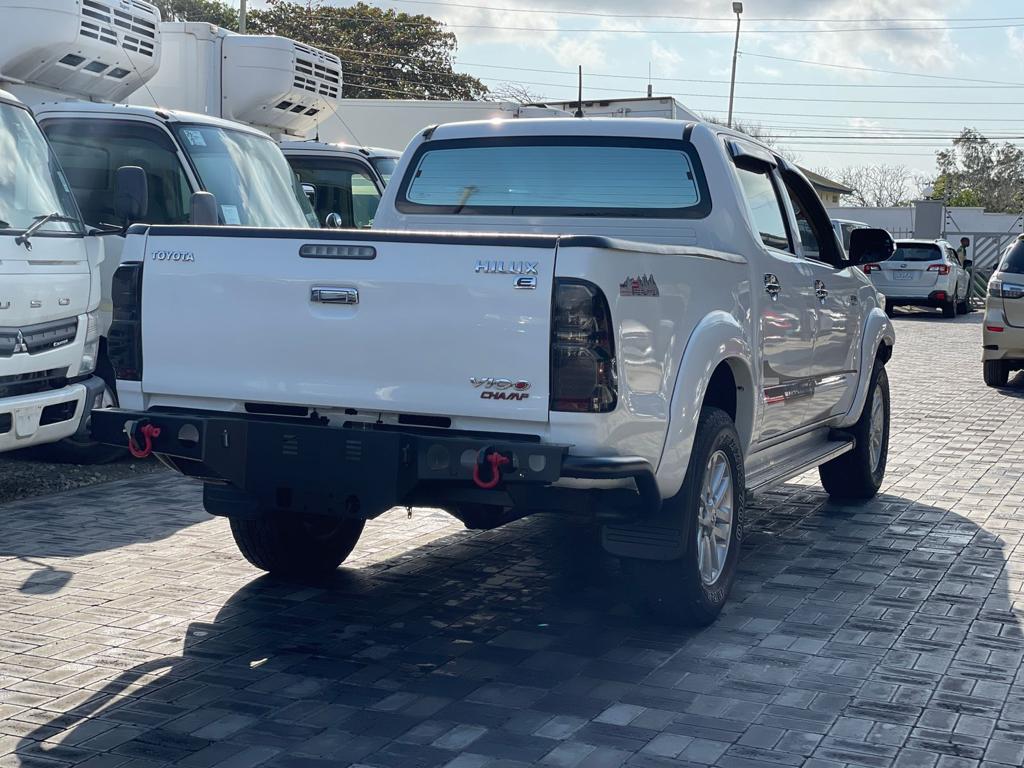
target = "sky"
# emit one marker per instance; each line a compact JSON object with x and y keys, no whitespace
{"x":948,"y":64}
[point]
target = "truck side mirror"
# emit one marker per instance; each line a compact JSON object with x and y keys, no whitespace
{"x":867,"y":245}
{"x":131,"y":194}
{"x":203,"y":210}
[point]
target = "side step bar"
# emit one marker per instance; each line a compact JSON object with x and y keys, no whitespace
{"x":788,"y":467}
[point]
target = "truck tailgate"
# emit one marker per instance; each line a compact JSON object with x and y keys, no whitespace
{"x":429,"y":324}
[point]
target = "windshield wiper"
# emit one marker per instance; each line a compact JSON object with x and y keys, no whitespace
{"x":37,"y":223}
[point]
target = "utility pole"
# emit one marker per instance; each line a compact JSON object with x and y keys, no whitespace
{"x":241,"y":22}
{"x":737,"y":8}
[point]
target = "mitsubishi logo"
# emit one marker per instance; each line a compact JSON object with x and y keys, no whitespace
{"x":19,"y":343}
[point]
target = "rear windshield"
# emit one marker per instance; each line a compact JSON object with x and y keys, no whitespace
{"x":1013,"y":261}
{"x":556,"y":176}
{"x":917,"y":253}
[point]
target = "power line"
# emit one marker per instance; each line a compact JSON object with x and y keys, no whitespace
{"x":727,"y":19}
{"x":880,"y":71}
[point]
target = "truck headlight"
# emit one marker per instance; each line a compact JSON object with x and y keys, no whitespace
{"x":91,"y":350}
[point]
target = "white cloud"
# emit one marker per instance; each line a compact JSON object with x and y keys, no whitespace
{"x":1016,"y":39}
{"x":665,"y":62}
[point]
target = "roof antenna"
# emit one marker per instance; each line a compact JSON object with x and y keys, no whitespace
{"x":650,"y":86}
{"x":316,"y":138}
{"x":579,"y":104}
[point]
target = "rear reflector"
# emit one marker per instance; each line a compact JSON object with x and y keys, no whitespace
{"x":994,"y":328}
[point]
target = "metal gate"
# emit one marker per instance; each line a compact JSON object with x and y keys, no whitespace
{"x":986,"y":248}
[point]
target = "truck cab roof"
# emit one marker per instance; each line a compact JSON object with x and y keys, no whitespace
{"x":122,"y":110}
{"x":640,"y":127}
{"x":334,"y":149}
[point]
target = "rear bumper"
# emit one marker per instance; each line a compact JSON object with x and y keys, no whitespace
{"x":930,"y":298}
{"x":46,"y":417}
{"x":253,"y":464}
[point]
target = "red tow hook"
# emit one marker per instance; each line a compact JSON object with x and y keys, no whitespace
{"x":148,"y":432}
{"x":496,"y":460}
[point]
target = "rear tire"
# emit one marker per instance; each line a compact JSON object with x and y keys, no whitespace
{"x":858,"y":474}
{"x":709,"y":508}
{"x":949,"y":307}
{"x":996,"y":372}
{"x":301,"y":545}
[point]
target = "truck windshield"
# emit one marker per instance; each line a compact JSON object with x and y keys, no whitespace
{"x":385,"y":166}
{"x":31,"y":182}
{"x":556,"y":176}
{"x":248,"y":175}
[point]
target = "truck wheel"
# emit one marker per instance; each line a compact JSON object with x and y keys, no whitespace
{"x":302,"y":545}
{"x":692,"y":589}
{"x":859,"y":473}
{"x":85,"y":450}
{"x":996,"y":372}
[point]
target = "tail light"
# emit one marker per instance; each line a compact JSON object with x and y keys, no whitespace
{"x":942,"y":269}
{"x":124,"y":339}
{"x":869,"y":268}
{"x":1001,"y":290}
{"x":582,"y":351}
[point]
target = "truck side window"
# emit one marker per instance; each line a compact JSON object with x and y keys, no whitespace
{"x":763,"y":199}
{"x":816,"y":233}
{"x":90,"y":152}
{"x":339,"y":186}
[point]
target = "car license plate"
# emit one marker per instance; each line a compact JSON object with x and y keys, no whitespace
{"x":903,"y":275}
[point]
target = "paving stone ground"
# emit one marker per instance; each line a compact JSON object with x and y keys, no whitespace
{"x":885,"y":634}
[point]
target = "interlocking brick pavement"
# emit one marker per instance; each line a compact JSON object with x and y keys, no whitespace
{"x":132,"y":635}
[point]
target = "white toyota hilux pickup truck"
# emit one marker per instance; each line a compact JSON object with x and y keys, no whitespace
{"x":621,"y":318}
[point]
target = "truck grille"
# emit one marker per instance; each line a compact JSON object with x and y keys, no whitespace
{"x":30,"y":383}
{"x":37,"y":338}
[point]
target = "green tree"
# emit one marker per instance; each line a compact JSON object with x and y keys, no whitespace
{"x":211,"y":11}
{"x":385,"y":54}
{"x":978,"y":171}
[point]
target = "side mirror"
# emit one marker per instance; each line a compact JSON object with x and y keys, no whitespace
{"x":333,"y":221}
{"x":867,"y":245}
{"x":968,"y":263}
{"x":310,"y":191}
{"x":203,"y":210}
{"x":131,"y":194}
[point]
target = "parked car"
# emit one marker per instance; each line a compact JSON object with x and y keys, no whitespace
{"x":844,"y":228}
{"x":923,"y":273}
{"x":446,"y":358}
{"x":1003,"y":331}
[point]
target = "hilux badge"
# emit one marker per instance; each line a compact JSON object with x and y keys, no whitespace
{"x":489,"y":267}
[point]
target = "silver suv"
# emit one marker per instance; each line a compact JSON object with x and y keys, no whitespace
{"x":923,"y":273}
{"x":1003,"y":331}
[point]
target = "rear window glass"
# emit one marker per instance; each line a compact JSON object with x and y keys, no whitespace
{"x":569,"y":176}
{"x":1013,"y":261}
{"x":917,"y":253}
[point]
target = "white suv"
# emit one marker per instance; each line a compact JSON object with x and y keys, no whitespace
{"x":923,"y":273}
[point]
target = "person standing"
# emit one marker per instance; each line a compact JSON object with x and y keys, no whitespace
{"x":961,"y":252}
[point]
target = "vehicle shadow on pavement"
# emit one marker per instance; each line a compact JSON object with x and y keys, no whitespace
{"x":856,"y":634}
{"x":81,"y":522}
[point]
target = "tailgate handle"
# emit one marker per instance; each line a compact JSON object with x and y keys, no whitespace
{"x":327,"y":295}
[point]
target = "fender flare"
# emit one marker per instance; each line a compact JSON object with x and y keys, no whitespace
{"x":878,"y":330}
{"x":718,"y":337}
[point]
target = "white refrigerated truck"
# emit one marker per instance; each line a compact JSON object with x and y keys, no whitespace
{"x":49,"y":292}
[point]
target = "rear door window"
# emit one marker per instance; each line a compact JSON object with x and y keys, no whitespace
{"x":1013,"y":259}
{"x":763,"y":199}
{"x":917,"y":253}
{"x":338,"y":186}
{"x":556,"y":176}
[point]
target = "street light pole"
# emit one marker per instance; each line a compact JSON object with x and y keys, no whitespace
{"x":737,"y":8}
{"x":241,"y":21}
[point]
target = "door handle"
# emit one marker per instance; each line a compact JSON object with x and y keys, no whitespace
{"x":329,"y":295}
{"x":772,"y":286}
{"x":820,"y":291}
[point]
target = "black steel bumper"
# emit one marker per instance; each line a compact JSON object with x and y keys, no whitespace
{"x":259,"y":463}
